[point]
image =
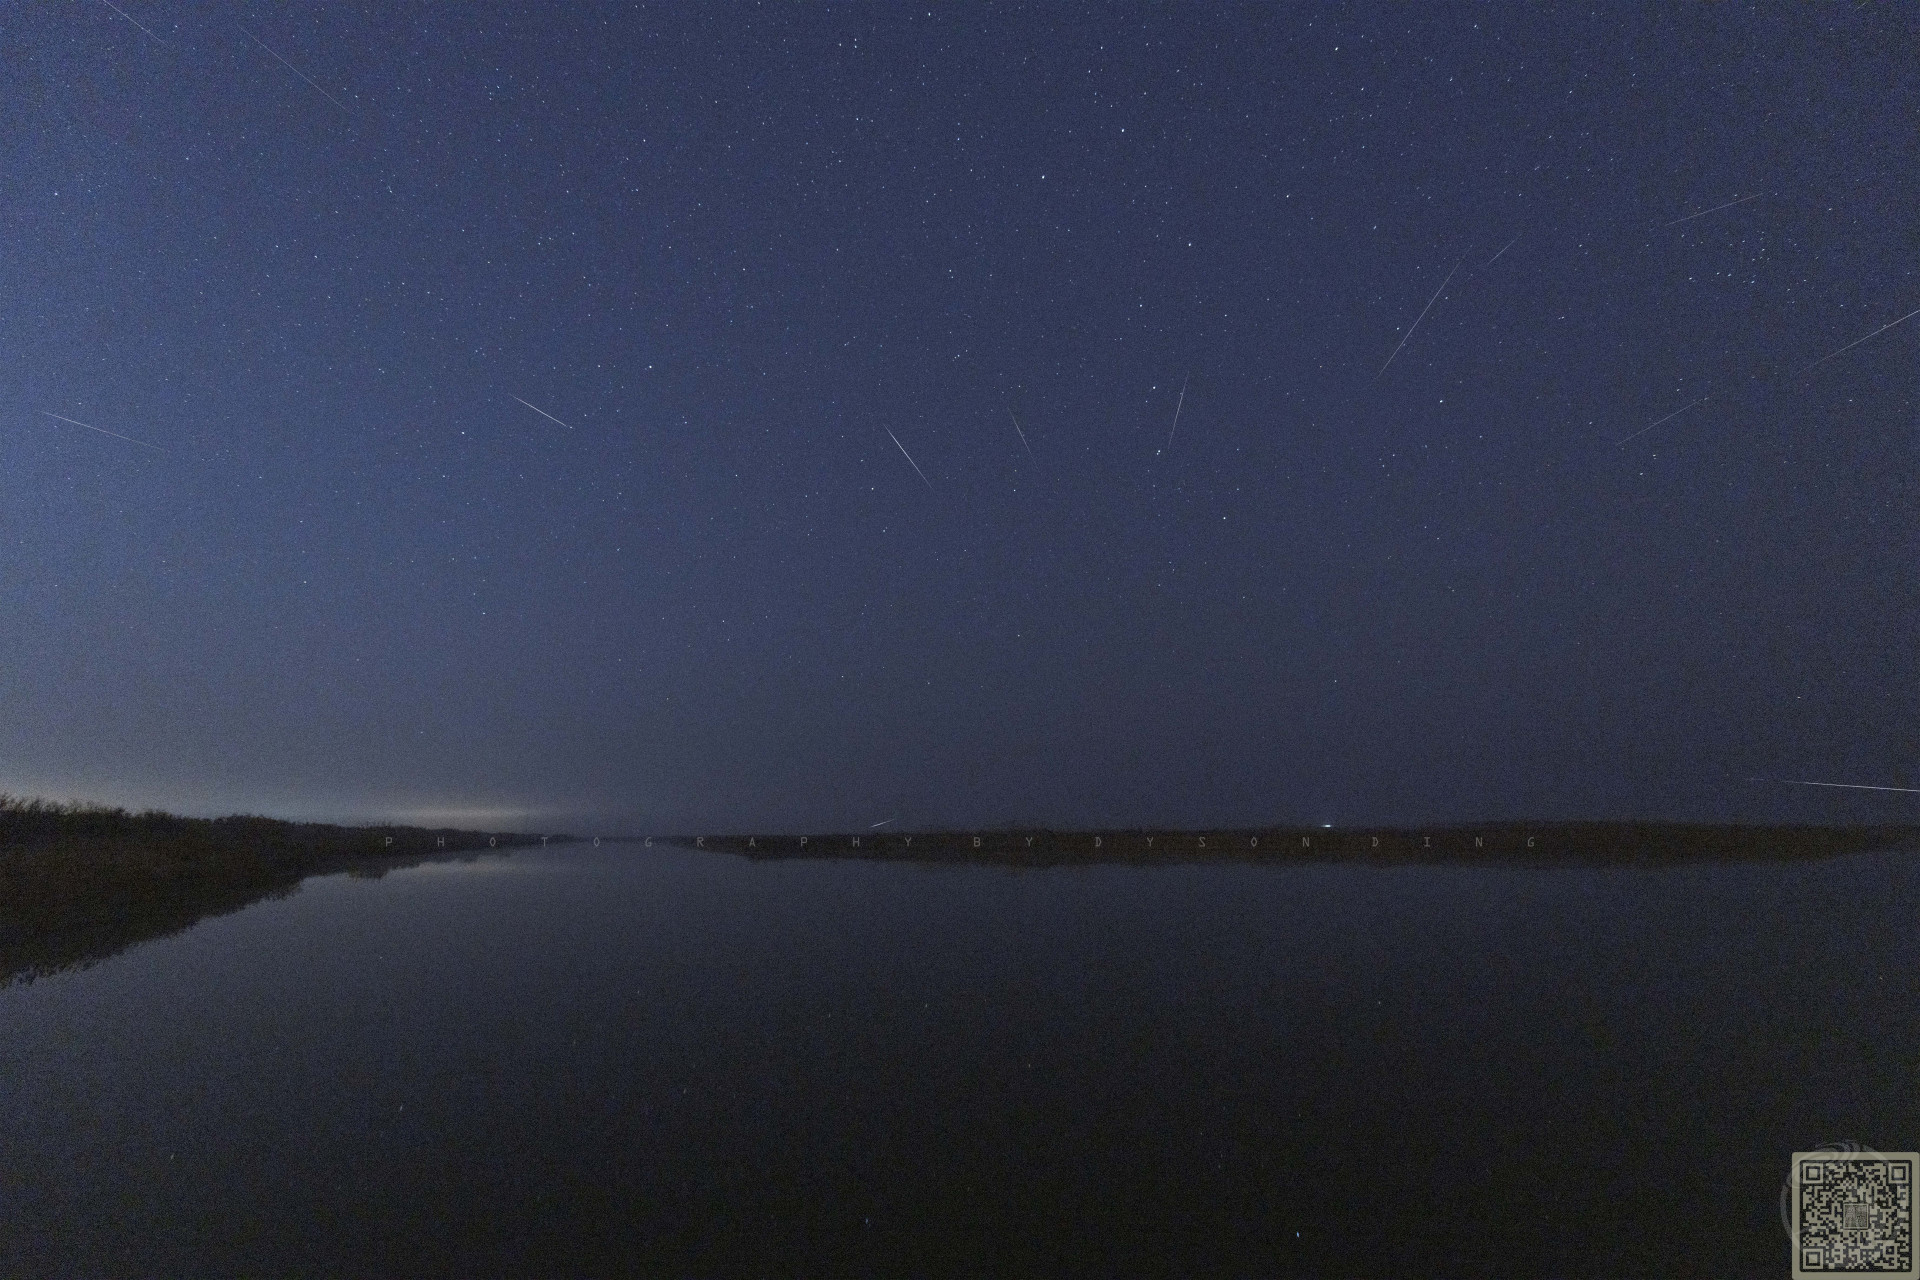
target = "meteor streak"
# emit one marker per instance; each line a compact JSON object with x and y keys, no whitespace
{"x":1717,"y":208}
{"x":289,"y":66}
{"x":130,"y":18}
{"x":1023,"y":435}
{"x":542,"y":412}
{"x":1857,"y":341}
{"x":103,"y":431}
{"x":909,"y":457}
{"x":1651,"y":425}
{"x":1851,"y":786}
{"x":1423,"y":312}
{"x":1176,"y":414}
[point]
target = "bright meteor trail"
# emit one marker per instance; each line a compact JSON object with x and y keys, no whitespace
{"x":1423,"y":312}
{"x":537,"y":409}
{"x":909,"y":457}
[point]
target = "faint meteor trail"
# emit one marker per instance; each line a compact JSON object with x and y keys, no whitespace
{"x":1717,"y":208}
{"x":1023,"y":435}
{"x":297,"y":71}
{"x":880,"y":824}
{"x":1176,"y":414}
{"x":130,"y":18}
{"x":1503,"y":248}
{"x":909,"y":457}
{"x":1423,"y":313}
{"x":537,"y":409}
{"x":1651,"y":425}
{"x":1851,"y":786}
{"x":1857,"y":341}
{"x":103,"y":431}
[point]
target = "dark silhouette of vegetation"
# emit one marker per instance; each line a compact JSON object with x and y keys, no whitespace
{"x":79,"y":882}
{"x":1544,"y":844}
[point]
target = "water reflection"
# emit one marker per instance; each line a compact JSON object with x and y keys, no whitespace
{"x":628,"y":1059}
{"x":71,"y":908}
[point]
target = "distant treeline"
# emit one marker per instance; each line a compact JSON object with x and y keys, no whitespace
{"x":1521,"y":843}
{"x":79,"y":882}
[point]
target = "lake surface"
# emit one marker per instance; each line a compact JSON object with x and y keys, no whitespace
{"x":659,"y":1061}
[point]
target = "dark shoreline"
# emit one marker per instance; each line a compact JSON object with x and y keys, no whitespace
{"x":79,"y":883}
{"x":1534,"y":844}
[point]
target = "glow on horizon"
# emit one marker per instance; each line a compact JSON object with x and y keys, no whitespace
{"x":202,"y":802}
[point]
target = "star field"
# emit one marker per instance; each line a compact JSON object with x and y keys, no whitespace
{"x":536,"y":394}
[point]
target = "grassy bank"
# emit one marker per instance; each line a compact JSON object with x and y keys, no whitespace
{"x":79,"y":882}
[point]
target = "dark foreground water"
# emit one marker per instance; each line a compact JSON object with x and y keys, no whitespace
{"x":656,"y":1061}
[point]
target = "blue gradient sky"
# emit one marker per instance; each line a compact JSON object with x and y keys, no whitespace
{"x":732,"y":247}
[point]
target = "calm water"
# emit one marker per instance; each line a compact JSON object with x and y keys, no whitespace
{"x":657,"y":1061}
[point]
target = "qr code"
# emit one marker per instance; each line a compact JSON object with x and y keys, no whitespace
{"x":1853,"y":1213}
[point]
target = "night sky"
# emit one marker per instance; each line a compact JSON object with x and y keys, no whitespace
{"x":725,"y":417}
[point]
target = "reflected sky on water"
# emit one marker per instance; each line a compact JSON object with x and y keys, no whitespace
{"x":622,"y":1058}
